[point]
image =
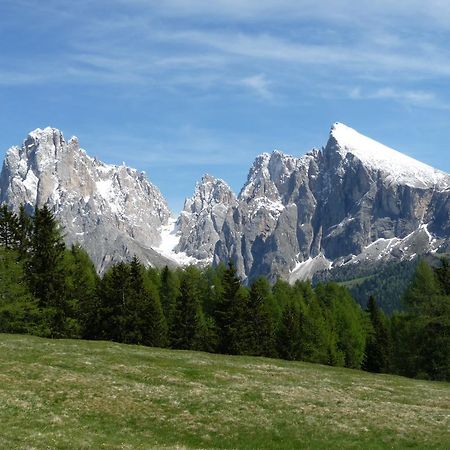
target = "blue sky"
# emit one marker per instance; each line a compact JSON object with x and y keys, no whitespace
{"x":182,"y":87}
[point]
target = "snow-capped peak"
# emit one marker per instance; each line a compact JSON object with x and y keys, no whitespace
{"x":400,"y":168}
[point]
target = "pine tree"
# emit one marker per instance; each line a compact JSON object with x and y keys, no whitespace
{"x":9,"y":228}
{"x":154,"y":325}
{"x":112,"y":294}
{"x":316,"y":337}
{"x":229,"y":313}
{"x":81,"y":288}
{"x":188,"y":325}
{"x":425,"y":350}
{"x":443,"y":276}
{"x":259,"y":320}
{"x":289,"y":335}
{"x":19,"y":312}
{"x":168,"y":293}
{"x":25,"y":231}
{"x":378,"y":346}
{"x":45,"y":272}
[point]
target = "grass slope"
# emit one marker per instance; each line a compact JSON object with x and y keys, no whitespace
{"x":82,"y":394}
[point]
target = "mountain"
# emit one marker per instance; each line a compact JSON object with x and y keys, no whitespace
{"x":353,"y":201}
{"x":113,"y":211}
{"x":203,"y":216}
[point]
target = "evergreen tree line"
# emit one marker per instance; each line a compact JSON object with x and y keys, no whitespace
{"x":54,"y":291}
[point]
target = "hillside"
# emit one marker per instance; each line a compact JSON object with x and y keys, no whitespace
{"x":84,"y":394}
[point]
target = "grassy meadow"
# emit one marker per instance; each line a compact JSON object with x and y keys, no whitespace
{"x":73,"y":394}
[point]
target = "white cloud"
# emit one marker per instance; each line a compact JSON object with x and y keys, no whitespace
{"x":411,"y":97}
{"x":166,"y":45}
{"x":259,"y":84}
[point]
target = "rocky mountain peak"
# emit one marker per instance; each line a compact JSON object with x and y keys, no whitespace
{"x":96,"y":203}
{"x":353,"y":201}
{"x":391,"y":165}
{"x":209,"y":191}
{"x":203,"y":216}
{"x":268,"y":172}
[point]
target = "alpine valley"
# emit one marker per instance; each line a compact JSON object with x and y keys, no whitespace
{"x":352,"y":202}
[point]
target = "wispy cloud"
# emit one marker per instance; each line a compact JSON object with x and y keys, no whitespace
{"x":169,"y":44}
{"x":411,"y":97}
{"x":259,"y":84}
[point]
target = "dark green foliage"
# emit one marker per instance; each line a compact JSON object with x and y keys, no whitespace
{"x":81,"y":290}
{"x":19,"y":312}
{"x":229,"y":313}
{"x":189,"y":329}
{"x":387,"y":282}
{"x":130,"y":309}
{"x":46,"y":274}
{"x":168,"y":293}
{"x":112,"y":296}
{"x":345,"y":318}
{"x":289,"y":338}
{"x":259,"y":320}
{"x":379,"y":345}
{"x":145,"y":308}
{"x":318,"y":345}
{"x":9,"y":229}
{"x":49,"y":290}
{"x":422,"y":341}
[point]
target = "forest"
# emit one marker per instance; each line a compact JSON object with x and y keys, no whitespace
{"x":53,"y":291}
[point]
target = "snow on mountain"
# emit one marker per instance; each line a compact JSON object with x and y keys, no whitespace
{"x":170,"y":239}
{"x":113,"y":211}
{"x":400,"y":168}
{"x":353,"y":201}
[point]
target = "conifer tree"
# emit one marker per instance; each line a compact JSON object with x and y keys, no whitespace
{"x":154,"y":325}
{"x":168,"y":293}
{"x":9,"y":228}
{"x":45,"y":272}
{"x":378,"y":346}
{"x":19,"y":312}
{"x":113,"y":296}
{"x":25,"y":231}
{"x":229,"y":313}
{"x":259,"y":320}
{"x":188,"y":325}
{"x":289,"y":335}
{"x":315,"y":334}
{"x":81,"y":287}
{"x":425,"y":349}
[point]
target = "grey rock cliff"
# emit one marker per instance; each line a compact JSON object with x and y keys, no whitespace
{"x":352,"y":201}
{"x":202,"y":218}
{"x":114,"y":212}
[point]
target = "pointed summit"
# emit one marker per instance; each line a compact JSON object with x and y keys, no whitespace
{"x":203,"y":216}
{"x":400,"y":168}
{"x":112,"y":211}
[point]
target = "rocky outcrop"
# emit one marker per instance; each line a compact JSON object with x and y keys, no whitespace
{"x":114,"y":212}
{"x":353,"y":201}
{"x":202,"y":218}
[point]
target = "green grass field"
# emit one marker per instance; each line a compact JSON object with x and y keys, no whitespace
{"x":93,"y":395}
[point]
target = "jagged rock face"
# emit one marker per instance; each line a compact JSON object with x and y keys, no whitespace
{"x":352,"y":201}
{"x":203,"y":217}
{"x":114,"y":212}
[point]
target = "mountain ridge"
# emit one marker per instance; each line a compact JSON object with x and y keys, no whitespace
{"x":351,"y":201}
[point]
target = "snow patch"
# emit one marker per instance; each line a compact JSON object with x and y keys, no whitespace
{"x":306,"y":269}
{"x":170,"y":237}
{"x":400,"y":168}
